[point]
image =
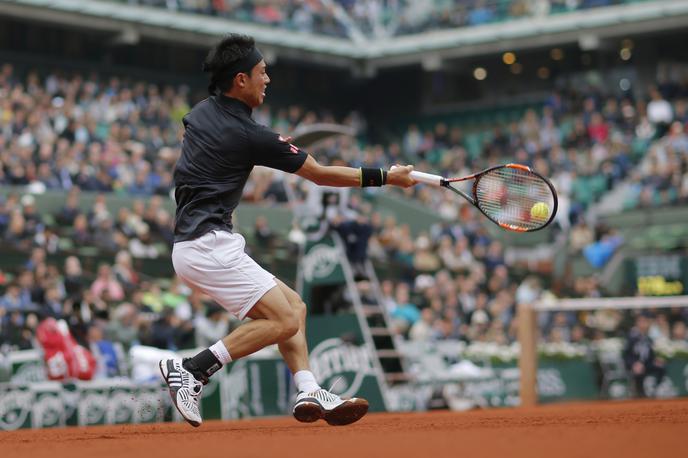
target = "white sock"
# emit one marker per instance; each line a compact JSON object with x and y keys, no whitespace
{"x":305,"y":381}
{"x":221,"y":353}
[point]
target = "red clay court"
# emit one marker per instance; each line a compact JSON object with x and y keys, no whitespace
{"x":628,"y":429}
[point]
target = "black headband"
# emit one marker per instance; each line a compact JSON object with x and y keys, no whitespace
{"x":222,"y":78}
{"x":245,"y":64}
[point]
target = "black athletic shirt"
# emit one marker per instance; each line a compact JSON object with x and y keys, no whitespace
{"x":221,"y":145}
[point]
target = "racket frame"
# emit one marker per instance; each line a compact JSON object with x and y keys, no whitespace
{"x":473,"y":199}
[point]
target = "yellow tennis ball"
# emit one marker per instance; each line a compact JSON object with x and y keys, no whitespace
{"x":539,"y":211}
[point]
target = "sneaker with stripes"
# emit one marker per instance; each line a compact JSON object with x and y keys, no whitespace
{"x":185,"y":390}
{"x":322,"y":404}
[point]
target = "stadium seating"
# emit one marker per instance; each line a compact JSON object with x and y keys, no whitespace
{"x":125,"y":140}
{"x":378,"y":18}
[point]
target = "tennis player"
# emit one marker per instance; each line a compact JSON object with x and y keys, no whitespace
{"x":221,"y":145}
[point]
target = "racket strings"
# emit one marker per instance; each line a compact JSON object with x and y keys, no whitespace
{"x":515,"y":198}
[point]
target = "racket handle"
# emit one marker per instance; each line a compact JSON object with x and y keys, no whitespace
{"x":422,"y":177}
{"x":427,"y":178}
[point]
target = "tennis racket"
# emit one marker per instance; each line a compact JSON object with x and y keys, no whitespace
{"x":513,"y":196}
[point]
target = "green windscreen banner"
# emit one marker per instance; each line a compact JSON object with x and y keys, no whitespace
{"x":657,"y":275}
{"x":320,"y":265}
{"x":340,"y":360}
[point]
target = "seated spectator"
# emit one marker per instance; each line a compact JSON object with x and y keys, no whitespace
{"x":29,"y":290}
{"x":422,"y":330}
{"x":80,"y":234}
{"x":104,"y":235}
{"x":17,"y":331}
{"x":581,"y":236}
{"x":168,"y":331}
{"x":679,"y":331}
{"x":405,"y":311}
{"x":17,"y":234}
{"x":212,"y":326}
{"x":123,"y":325}
{"x":176,"y":297}
{"x":262,"y":232}
{"x":494,"y":256}
{"x":124,"y":271}
{"x":425,"y":259}
{"x":37,"y":258}
{"x":560,"y":327}
{"x":70,"y":210}
{"x":106,"y":286}
{"x":105,"y":353}
{"x":52,"y":304}
{"x":640,"y":358}
{"x":659,"y":112}
{"x":141,"y":246}
{"x":14,"y":300}
{"x":73,"y":280}
{"x":151,"y":297}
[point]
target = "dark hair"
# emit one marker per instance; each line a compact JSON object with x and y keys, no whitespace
{"x":222,"y":56}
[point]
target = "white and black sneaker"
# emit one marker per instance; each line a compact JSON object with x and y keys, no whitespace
{"x":185,"y":390}
{"x":328,"y":406}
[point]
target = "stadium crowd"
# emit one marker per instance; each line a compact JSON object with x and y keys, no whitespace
{"x":111,"y":300}
{"x":374,"y":18}
{"x":85,"y":133}
{"x":59,"y":131}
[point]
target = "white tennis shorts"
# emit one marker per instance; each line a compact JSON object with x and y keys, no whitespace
{"x":216,"y":264}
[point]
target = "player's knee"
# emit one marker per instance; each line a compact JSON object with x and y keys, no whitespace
{"x":299,"y":309}
{"x":289,"y":325}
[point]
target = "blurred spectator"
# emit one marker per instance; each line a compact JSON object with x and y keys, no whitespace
{"x":123,"y":325}
{"x":212,"y":326}
{"x":73,"y":281}
{"x":659,"y":112}
{"x":349,"y":18}
{"x":124,"y":272}
{"x":52,"y":305}
{"x":262,"y":233}
{"x":106,"y":285}
{"x":405,"y":313}
{"x":679,"y":331}
{"x":112,"y":134}
{"x":421,"y":330}
{"x":105,"y":353}
{"x":168,"y":331}
{"x":70,"y":210}
{"x":18,"y":331}
{"x":13,"y":300}
{"x":640,"y":358}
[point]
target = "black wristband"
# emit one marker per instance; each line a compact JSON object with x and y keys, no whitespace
{"x":372,"y":177}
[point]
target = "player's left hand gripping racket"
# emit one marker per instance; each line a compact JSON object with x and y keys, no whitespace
{"x":512,"y":195}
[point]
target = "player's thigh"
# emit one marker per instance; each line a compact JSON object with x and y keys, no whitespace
{"x":274,"y":306}
{"x":294,"y":299}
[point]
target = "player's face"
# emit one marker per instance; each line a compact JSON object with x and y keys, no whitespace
{"x":256,"y":84}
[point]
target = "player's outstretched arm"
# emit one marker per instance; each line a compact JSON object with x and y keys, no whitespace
{"x":333,"y":175}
